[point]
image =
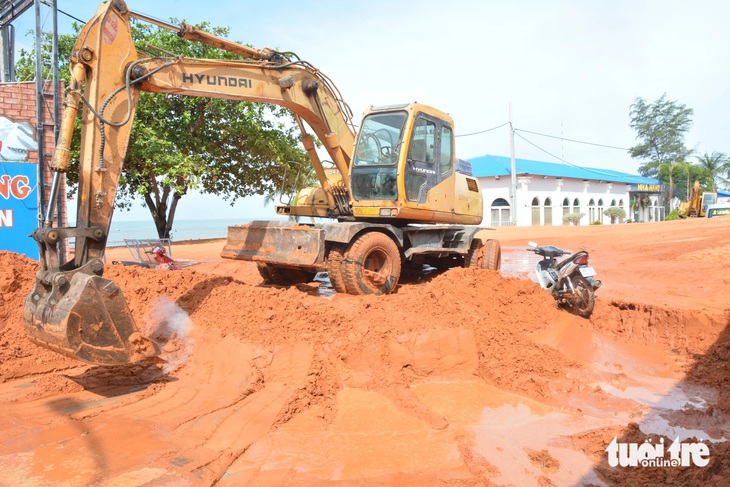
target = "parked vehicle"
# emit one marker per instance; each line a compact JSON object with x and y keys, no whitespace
{"x":718,"y":209}
{"x":572,"y":282}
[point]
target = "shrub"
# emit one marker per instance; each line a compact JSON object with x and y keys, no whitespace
{"x":673,"y":215}
{"x":573,"y":218}
{"x":615,"y":213}
{"x":597,"y":222}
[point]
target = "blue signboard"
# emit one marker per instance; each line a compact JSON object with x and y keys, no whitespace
{"x":18,"y":207}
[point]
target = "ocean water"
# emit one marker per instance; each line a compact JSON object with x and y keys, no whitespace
{"x":181,"y":229}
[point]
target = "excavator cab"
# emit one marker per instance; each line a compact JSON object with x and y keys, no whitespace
{"x":404,"y":167}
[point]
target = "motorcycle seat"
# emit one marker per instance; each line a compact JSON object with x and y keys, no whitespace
{"x":549,"y":251}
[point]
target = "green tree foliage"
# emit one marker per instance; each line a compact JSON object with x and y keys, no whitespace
{"x":573,"y":218}
{"x":179,"y":143}
{"x":714,"y":165}
{"x":684,"y":174}
{"x":660,"y":129}
{"x":615,"y":213}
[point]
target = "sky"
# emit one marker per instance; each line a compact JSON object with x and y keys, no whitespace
{"x":569,"y":68}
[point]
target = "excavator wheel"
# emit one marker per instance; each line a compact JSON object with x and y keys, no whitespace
{"x":372,"y":265}
{"x":476,"y":252}
{"x":482,"y":256}
{"x":492,"y":258}
{"x":335,"y":267}
{"x":284,"y":276}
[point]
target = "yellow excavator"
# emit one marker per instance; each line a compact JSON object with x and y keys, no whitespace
{"x":697,"y":203}
{"x":396,"y":196}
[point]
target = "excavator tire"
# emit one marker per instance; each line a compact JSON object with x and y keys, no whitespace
{"x":492,"y":258}
{"x":335,"y":267}
{"x":372,"y":265}
{"x":483,"y":256}
{"x":476,"y":252}
{"x":284,"y":276}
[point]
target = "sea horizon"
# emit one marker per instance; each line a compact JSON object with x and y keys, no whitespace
{"x":182,"y":229}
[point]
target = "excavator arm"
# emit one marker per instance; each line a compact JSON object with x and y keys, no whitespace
{"x":72,"y":308}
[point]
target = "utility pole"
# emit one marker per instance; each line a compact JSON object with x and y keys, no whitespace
{"x":7,"y":49}
{"x":513,"y":170}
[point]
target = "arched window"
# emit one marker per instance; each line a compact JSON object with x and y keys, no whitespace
{"x":548,"y":212}
{"x":535,"y":212}
{"x":613,"y":202}
{"x":535,"y":201}
{"x":592,"y":211}
{"x":566,"y":209}
{"x":500,"y":212}
{"x":576,"y":205}
{"x":621,"y":205}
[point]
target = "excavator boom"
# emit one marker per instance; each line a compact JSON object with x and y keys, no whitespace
{"x":72,"y":308}
{"x":396,"y":192}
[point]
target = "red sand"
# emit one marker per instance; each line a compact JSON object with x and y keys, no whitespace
{"x":466,"y":378}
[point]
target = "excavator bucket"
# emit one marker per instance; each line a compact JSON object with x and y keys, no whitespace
{"x":85,"y":317}
{"x":276,"y":242}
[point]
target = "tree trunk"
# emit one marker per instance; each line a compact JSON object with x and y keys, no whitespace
{"x":159,"y":210}
{"x":159,"y":216}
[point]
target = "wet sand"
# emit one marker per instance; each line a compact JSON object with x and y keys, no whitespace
{"x":466,"y":377}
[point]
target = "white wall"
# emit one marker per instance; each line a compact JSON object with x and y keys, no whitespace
{"x":557,"y":189}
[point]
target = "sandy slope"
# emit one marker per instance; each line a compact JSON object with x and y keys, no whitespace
{"x":467,"y":378}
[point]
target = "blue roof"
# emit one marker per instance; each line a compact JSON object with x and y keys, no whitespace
{"x":489,"y":166}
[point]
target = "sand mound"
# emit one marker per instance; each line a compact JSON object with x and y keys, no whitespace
{"x":470,"y":377}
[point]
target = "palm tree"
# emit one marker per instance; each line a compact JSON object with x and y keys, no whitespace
{"x":715,"y":164}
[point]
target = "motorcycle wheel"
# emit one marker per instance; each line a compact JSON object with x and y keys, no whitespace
{"x":585,"y":299}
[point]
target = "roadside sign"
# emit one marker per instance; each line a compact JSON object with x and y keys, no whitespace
{"x":18,"y":207}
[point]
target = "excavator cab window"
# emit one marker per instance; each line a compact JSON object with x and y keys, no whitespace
{"x":430,"y":156}
{"x":374,"y":172}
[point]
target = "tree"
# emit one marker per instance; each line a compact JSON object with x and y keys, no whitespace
{"x":573,"y":218}
{"x":615,"y":213}
{"x":714,"y":165}
{"x":660,"y":128}
{"x":179,"y":143}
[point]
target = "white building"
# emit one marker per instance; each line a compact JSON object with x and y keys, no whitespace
{"x":547,"y":191}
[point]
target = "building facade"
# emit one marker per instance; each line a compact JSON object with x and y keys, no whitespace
{"x":546,"y":192}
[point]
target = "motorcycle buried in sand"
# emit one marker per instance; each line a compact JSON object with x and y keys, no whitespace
{"x":572,"y":282}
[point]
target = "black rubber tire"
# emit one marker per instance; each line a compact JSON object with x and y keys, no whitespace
{"x":492,"y":258}
{"x":284,"y":276}
{"x":264,"y":271}
{"x":372,"y":265}
{"x":584,"y":304}
{"x":484,"y":256}
{"x":474,"y":256}
{"x":335,"y":267}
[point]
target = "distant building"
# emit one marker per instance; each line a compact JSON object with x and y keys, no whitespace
{"x":546,"y":191}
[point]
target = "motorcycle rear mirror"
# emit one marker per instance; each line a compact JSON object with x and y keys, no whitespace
{"x":531,"y":244}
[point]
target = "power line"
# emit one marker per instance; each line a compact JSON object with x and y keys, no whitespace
{"x":71,"y":16}
{"x":560,"y":158}
{"x":573,"y":140}
{"x":483,"y":131}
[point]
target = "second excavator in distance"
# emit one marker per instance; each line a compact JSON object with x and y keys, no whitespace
{"x":395,"y":196}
